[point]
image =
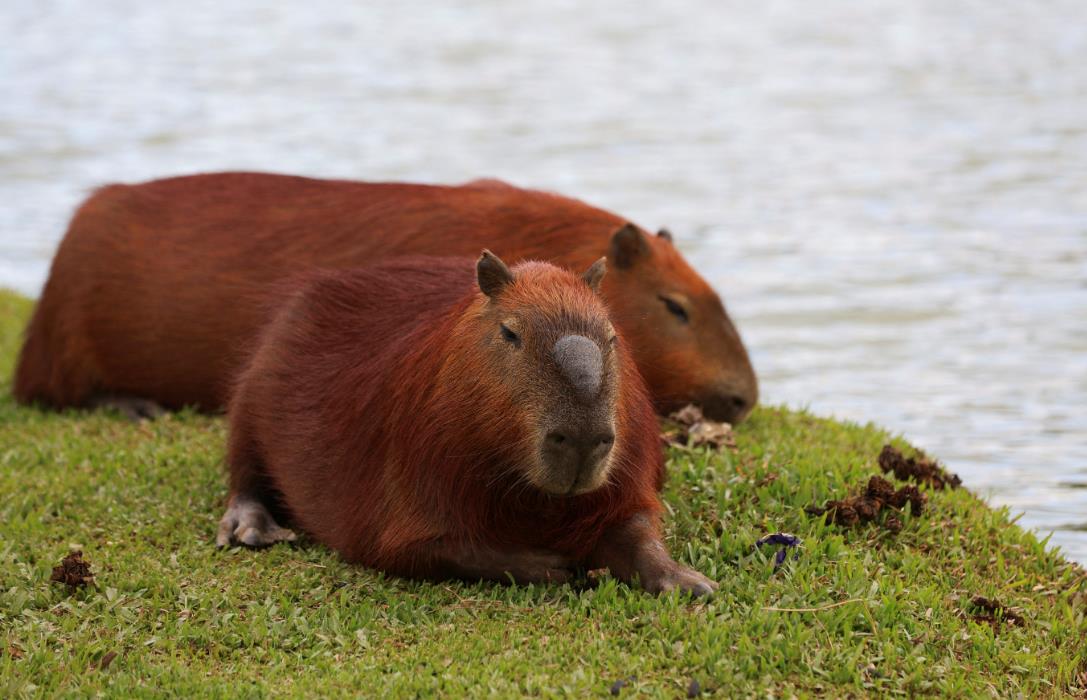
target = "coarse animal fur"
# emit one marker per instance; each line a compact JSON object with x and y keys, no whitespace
{"x":158,"y":289}
{"x":402,"y":415}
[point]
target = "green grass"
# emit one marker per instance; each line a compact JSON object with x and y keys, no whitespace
{"x":185,"y":619}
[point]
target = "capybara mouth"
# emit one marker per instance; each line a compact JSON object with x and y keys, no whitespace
{"x":727,"y":407}
{"x":575,"y":462}
{"x":571,"y":486}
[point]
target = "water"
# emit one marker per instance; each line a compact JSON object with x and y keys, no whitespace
{"x":891,"y":196}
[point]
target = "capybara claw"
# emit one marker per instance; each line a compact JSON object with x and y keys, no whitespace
{"x":686,"y":581}
{"x":255,"y":537}
{"x":247,"y":522}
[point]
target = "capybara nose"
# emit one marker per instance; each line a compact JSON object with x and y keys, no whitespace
{"x":581,"y":446}
{"x":728,"y":406}
{"x":580,"y":361}
{"x":574,"y":455}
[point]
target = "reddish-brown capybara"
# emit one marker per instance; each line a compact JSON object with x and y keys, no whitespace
{"x":432,"y":426}
{"x":158,"y":289}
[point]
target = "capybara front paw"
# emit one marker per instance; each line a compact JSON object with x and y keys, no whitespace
{"x":247,"y":522}
{"x":682,"y":579}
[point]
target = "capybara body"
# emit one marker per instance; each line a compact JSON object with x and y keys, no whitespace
{"x":158,"y":290}
{"x":433,"y":424}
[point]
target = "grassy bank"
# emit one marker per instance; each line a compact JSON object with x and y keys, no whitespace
{"x":859,"y":611}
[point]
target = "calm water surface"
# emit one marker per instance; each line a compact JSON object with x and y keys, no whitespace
{"x":891,"y":196}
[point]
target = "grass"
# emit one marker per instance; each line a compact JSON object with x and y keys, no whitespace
{"x":859,"y":612}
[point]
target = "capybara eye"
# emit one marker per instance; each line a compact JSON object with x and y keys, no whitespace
{"x":510,"y":336}
{"x":675,"y":308}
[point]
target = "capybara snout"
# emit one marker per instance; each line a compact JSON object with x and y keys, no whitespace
{"x":728,"y":403}
{"x":576,"y":449}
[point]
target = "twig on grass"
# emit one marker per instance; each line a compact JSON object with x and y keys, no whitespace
{"x":819,"y":609}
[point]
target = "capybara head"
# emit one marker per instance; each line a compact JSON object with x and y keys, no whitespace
{"x":683,"y":340}
{"x":548,"y":340}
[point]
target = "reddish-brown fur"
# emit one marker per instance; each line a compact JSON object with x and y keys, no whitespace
{"x":371,"y":411}
{"x":159,"y":289}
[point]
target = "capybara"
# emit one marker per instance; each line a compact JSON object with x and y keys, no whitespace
{"x":158,"y":290}
{"x":430,"y":426}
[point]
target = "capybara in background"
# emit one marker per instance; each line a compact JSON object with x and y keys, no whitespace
{"x":158,"y":290}
{"x":430,"y":426}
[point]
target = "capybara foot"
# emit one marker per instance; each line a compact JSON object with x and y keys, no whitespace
{"x":679,"y":578}
{"x":131,"y":407}
{"x":247,"y":522}
{"x":633,"y":550}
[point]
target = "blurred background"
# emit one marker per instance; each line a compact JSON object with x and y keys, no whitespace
{"x":891,"y":197}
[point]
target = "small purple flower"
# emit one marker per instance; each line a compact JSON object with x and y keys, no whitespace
{"x":780,"y":538}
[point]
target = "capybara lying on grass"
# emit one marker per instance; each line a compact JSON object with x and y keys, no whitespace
{"x":158,"y":290}
{"x":428,"y":427}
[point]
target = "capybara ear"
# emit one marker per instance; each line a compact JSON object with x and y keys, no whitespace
{"x":492,"y":274}
{"x":595,"y":273}
{"x":627,"y":245}
{"x":665,"y":234}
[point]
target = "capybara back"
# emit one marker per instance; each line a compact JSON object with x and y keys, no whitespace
{"x":159,"y":289}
